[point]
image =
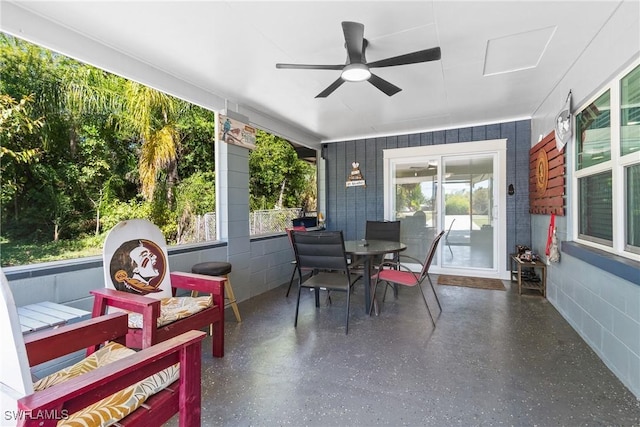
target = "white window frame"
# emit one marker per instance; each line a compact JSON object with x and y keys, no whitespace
{"x":616,"y":165}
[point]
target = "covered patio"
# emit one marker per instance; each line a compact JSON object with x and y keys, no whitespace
{"x":494,"y":357}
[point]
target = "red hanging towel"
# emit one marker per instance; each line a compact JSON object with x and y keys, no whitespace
{"x":552,"y":226}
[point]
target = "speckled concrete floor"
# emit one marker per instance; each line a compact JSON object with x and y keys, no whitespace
{"x":494,"y":358}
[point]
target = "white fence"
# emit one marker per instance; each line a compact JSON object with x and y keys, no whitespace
{"x":272,"y":221}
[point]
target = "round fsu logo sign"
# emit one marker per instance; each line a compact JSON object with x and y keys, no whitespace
{"x":138,"y":266}
{"x":542,"y":174}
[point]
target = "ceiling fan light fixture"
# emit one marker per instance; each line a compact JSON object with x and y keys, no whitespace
{"x":356,"y":73}
{"x":357,"y":67}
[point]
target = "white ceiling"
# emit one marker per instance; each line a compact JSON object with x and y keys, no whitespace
{"x":500,"y":60}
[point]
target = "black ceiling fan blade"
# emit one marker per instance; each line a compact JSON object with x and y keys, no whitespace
{"x":426,"y":55}
{"x":310,"y":66}
{"x":354,"y":38}
{"x":329,"y":90}
{"x":389,"y":88}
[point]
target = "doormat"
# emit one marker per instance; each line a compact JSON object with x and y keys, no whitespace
{"x":471,"y":282}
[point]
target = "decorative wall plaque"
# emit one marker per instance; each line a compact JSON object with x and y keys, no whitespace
{"x":355,"y":178}
{"x":542,"y":172}
{"x":237,"y":133}
{"x":546,"y":177}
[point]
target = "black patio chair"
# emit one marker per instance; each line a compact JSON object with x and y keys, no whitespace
{"x":294,"y":263}
{"x":322,"y":252}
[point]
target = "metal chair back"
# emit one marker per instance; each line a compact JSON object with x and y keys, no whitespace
{"x":383,"y":230}
{"x":295,"y":264}
{"x":323,"y":252}
{"x":430,"y":255}
{"x":320,"y":250}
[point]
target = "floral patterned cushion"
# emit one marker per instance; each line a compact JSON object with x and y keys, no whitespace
{"x":105,"y":355}
{"x":117,"y":406}
{"x":172,"y":309}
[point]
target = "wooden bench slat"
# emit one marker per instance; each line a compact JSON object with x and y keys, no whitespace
{"x":42,"y":315}
{"x":26,"y":312}
{"x":34,"y":325}
{"x":75,"y":312}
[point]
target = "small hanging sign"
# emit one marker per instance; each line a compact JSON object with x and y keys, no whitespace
{"x":563,"y":128}
{"x":355,"y":178}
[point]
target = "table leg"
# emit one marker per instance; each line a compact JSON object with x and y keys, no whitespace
{"x":368,"y":295}
{"x":367,"y":284}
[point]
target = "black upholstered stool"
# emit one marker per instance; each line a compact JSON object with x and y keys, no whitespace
{"x":222,"y":269}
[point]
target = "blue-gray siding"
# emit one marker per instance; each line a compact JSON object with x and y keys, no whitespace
{"x":348,"y":209}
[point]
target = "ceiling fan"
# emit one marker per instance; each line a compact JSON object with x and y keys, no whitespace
{"x":357,"y":69}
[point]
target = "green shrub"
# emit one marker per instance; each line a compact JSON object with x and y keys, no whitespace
{"x":457,"y":204}
{"x":116,"y":211}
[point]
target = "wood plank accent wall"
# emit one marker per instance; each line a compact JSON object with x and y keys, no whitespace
{"x":348,"y":209}
{"x":546,"y":178}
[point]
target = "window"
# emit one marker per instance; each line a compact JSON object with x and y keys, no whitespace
{"x":633,"y":209}
{"x":83,"y":149}
{"x":596,"y":214}
{"x":607,"y":167}
{"x":630,"y":112}
{"x":593,"y":132}
{"x":282,"y":185}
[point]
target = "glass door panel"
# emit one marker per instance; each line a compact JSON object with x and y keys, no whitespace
{"x":416,"y":205}
{"x":468,"y":197}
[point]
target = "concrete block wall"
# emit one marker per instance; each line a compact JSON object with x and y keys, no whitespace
{"x":270,"y":263}
{"x":603,"y":308}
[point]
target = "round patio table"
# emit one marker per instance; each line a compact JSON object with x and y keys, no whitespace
{"x":368,"y":249}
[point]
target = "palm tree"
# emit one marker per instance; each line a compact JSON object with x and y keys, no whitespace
{"x":153,"y":115}
{"x":149,"y":114}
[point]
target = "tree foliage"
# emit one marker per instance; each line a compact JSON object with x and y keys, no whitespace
{"x":457,"y":204}
{"x":481,"y":201}
{"x":278,"y":179}
{"x":15,"y":123}
{"x":82,"y":149}
{"x":409,"y":197}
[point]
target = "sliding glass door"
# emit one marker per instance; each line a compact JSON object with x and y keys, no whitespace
{"x":452,"y":188}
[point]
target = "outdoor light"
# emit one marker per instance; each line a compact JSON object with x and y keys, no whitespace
{"x":356,"y":72}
